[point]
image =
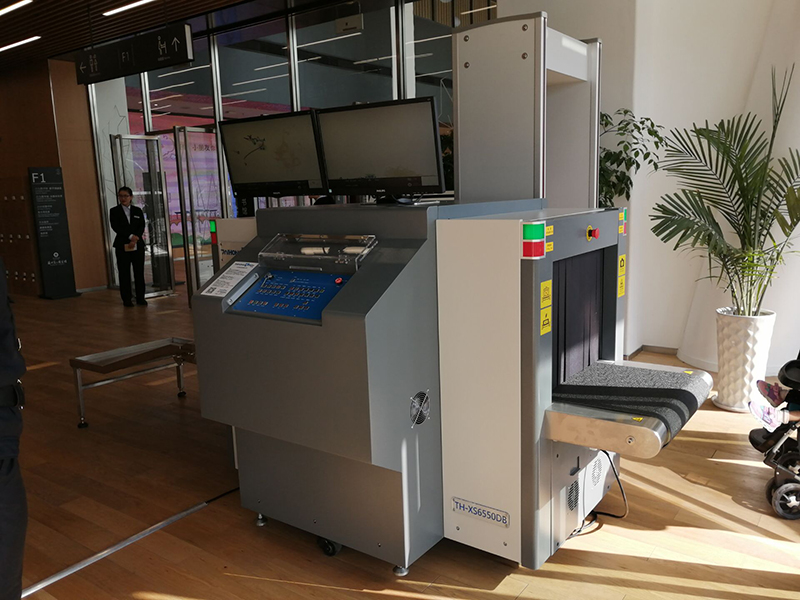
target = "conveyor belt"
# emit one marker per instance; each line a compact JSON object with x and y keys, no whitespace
{"x":672,"y":397}
{"x":631,"y":408}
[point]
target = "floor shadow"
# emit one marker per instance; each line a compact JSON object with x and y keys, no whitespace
{"x":702,"y":581}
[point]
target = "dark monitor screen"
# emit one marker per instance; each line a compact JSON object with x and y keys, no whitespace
{"x":275,"y":155}
{"x":383,"y":148}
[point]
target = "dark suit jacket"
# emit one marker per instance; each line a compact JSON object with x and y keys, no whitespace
{"x":12,"y":366}
{"x":123,"y":229}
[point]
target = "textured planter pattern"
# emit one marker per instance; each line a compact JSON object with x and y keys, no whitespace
{"x":743,"y":349}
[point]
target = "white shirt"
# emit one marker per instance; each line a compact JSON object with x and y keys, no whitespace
{"x":127,"y":211}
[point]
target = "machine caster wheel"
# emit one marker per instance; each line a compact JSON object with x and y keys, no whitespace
{"x":400,"y":571}
{"x":769,"y":489}
{"x":329,"y":547}
{"x":786,"y":501}
{"x":83,"y":425}
{"x":181,"y":394}
{"x":261,"y":520}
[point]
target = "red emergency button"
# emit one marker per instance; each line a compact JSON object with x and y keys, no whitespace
{"x":338,"y":281}
{"x":592,"y":233}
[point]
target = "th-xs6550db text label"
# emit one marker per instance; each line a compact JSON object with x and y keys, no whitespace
{"x":479,"y":511}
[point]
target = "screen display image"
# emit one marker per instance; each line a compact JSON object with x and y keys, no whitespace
{"x":390,"y":148}
{"x":273,"y":155}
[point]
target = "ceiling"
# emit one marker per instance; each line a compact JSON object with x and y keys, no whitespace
{"x":68,"y":25}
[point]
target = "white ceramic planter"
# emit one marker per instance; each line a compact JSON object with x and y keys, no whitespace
{"x":743,"y":349}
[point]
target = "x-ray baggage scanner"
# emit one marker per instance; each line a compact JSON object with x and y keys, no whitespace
{"x":399,"y":374}
{"x":324,"y":357}
{"x":533,"y":384}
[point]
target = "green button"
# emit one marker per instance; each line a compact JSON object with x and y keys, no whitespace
{"x":212,"y":225}
{"x":533,"y":231}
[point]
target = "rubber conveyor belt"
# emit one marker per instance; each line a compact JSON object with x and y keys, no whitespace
{"x":634,"y":409}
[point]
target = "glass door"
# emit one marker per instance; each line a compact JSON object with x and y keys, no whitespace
{"x":200,"y":199}
{"x":137,"y":165}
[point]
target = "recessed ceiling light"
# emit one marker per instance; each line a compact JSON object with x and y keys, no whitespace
{"x":15,"y":44}
{"x":126,"y":7}
{"x":14,"y":6}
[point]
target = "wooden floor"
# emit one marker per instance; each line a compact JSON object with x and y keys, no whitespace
{"x":699,"y":526}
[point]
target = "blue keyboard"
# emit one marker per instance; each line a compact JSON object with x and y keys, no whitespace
{"x":294,"y":294}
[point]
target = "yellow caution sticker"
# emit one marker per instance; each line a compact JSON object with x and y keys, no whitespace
{"x":621,"y":218}
{"x":547,"y":294}
{"x":621,"y":229}
{"x":638,"y":419}
{"x":545,"y":320}
{"x":548,"y":247}
{"x":548,"y":230}
{"x":620,"y":286}
{"x":688,"y":372}
{"x":622,"y":262}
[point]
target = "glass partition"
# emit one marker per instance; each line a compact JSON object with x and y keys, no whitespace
{"x":345,"y":57}
{"x":254,"y":71}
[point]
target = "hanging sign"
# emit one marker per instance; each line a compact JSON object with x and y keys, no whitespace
{"x":171,"y":45}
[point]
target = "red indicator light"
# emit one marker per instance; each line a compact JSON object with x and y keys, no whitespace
{"x":338,"y":281}
{"x":534,"y":249}
{"x":213,"y":238}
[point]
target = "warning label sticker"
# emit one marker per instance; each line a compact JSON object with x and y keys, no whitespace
{"x":620,"y":286}
{"x":545,"y":320}
{"x":622,"y":263}
{"x":547,"y":294}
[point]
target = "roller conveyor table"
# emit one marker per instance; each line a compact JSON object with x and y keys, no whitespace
{"x":631,"y":408}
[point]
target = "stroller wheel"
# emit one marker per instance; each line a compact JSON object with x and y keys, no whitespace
{"x":791,"y":461}
{"x":786,"y":501}
{"x":769,"y":489}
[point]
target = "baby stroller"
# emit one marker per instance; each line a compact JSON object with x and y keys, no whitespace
{"x":781,"y":452}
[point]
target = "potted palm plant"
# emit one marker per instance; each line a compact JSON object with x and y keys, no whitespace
{"x":739,"y":206}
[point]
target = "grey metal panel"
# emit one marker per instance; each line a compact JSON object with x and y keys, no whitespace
{"x":350,"y":502}
{"x":536,"y":356}
{"x":589,"y":474}
{"x":499,"y":209}
{"x":605,"y":429}
{"x":499,"y":136}
{"x":302,"y":383}
{"x":595,"y":62}
{"x":403,"y":359}
{"x":385,"y":222}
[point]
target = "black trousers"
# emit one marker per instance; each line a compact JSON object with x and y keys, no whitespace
{"x":13,"y":507}
{"x":126,"y":260}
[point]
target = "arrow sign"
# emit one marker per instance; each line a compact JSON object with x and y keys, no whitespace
{"x":139,"y":54}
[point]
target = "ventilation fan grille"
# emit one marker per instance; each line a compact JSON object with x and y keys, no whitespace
{"x":597,"y":472}
{"x":573,"y":495}
{"x":420,"y":408}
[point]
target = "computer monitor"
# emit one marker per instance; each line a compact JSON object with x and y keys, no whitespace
{"x":386,"y":148}
{"x":274,"y":155}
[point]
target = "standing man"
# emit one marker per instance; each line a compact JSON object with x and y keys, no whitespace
{"x":13,"y":504}
{"x":127,"y":221}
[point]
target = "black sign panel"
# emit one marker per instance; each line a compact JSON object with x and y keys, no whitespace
{"x":169,"y":46}
{"x":52,"y":232}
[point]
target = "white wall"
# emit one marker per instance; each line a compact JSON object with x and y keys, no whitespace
{"x":694,"y":61}
{"x":677,"y":62}
{"x":780,"y":49}
{"x":612,"y":21}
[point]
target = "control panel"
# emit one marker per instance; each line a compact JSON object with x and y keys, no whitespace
{"x":296,"y":294}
